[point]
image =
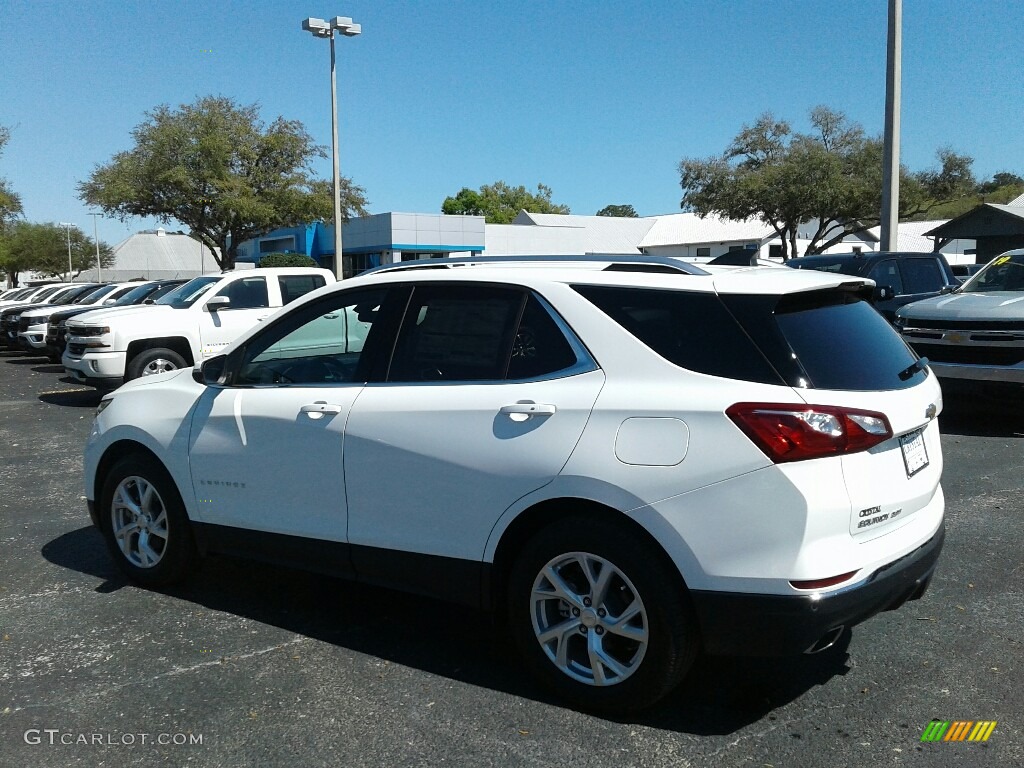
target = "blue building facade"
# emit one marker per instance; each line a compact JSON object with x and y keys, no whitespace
{"x":370,"y":241}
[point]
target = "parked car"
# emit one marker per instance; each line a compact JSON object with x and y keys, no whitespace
{"x":54,"y":296}
{"x":900,"y":276}
{"x":626,"y":458}
{"x":194,"y":321}
{"x":10,"y":317}
{"x":29,"y":294}
{"x":34,"y":329}
{"x":977,"y":334}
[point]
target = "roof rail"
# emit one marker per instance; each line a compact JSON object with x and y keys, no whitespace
{"x":623,"y":263}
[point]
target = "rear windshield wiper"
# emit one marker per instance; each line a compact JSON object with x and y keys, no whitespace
{"x":918,"y":365}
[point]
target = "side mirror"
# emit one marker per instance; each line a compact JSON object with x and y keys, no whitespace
{"x":217,"y":302}
{"x":882,"y":293}
{"x":210,"y":371}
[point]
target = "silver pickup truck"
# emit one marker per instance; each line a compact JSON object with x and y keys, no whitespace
{"x":975,"y":333}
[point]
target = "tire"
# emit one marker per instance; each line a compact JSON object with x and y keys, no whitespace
{"x":155,"y":360}
{"x":144,"y":523}
{"x":643,"y":627}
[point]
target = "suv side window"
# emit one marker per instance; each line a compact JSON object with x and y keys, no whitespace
{"x":247,"y":293}
{"x":922,"y":276}
{"x":323,"y":345}
{"x":294,"y":286}
{"x":477,"y":333}
{"x":887,"y":273}
{"x":690,"y":329}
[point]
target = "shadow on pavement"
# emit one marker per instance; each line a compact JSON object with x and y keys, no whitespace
{"x":10,"y":359}
{"x":49,"y":368}
{"x":720,"y":696}
{"x":74,"y":398}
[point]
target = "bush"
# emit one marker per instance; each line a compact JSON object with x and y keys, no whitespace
{"x":287,"y":260}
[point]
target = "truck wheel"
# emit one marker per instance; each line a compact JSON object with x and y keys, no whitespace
{"x":599,"y":618}
{"x":151,"y":361}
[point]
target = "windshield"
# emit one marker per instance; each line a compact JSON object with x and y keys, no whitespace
{"x":71,"y":294}
{"x":47,"y":293}
{"x":188,"y":294}
{"x":135,"y":295}
{"x":1004,"y":273}
{"x":94,"y":296}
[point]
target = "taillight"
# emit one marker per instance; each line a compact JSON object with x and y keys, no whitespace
{"x":788,"y":432}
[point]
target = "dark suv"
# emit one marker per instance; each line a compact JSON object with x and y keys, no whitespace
{"x":900,"y":276}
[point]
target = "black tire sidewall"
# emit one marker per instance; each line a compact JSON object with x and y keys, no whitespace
{"x":673,"y":638}
{"x":180,"y":554}
{"x":146,"y":356}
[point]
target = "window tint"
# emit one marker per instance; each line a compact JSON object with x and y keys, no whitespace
{"x":457,"y":333}
{"x":294,"y":286}
{"x":247,"y":293}
{"x":692,"y":330}
{"x":186,"y":295}
{"x":887,"y":273}
{"x":539,"y":347}
{"x":922,"y":276}
{"x":841,"y":342}
{"x":320,"y":345}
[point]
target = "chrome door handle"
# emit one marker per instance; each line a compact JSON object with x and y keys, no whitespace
{"x":528,"y":409}
{"x":319,"y":408}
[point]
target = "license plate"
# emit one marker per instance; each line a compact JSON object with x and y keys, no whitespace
{"x":915,"y":455}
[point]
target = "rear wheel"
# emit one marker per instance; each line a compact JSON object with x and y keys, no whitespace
{"x":144,"y":522}
{"x":600,"y":616}
{"x":152,"y":361}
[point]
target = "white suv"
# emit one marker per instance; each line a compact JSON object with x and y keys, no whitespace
{"x":628,"y":458}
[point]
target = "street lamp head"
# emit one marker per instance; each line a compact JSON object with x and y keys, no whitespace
{"x":344,"y":25}
{"x":318,"y":27}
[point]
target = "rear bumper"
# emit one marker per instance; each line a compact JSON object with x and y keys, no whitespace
{"x":735,"y":624}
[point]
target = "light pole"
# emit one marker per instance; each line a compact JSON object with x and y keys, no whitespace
{"x":99,"y":267}
{"x":68,"y":226}
{"x":891,"y":142}
{"x":321,"y":28}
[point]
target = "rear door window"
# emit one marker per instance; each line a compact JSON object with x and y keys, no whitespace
{"x":294,"y":286}
{"x":922,"y":276}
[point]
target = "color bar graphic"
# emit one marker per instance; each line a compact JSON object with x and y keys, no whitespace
{"x":958,"y":730}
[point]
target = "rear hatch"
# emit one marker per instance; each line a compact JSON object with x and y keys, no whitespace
{"x":834,"y":349}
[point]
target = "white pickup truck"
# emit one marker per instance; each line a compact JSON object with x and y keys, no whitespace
{"x":197,"y":320}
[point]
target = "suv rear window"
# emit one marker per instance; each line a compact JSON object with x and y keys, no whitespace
{"x":827,"y":340}
{"x":692,"y":330}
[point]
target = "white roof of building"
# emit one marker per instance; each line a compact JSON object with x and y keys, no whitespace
{"x":600,"y":234}
{"x":689,"y":228}
{"x":156,"y":254}
{"x":910,"y":235}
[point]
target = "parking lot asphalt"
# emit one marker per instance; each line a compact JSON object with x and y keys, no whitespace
{"x":257,"y":666}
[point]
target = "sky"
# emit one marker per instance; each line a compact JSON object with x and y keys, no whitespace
{"x":598,"y":100}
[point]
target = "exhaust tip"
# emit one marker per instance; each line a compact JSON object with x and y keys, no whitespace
{"x":827,"y":640}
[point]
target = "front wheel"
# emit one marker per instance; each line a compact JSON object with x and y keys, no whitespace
{"x":144,"y":522}
{"x":152,"y":361}
{"x":600,"y":617}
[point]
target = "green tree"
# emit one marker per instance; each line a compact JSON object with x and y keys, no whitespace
{"x":217,"y":168}
{"x":287,"y":260}
{"x":499,"y":203}
{"x":43,"y":249}
{"x":830,"y":179}
{"x":1000,"y":180}
{"x":623,"y":211}
{"x":10,"y":211}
